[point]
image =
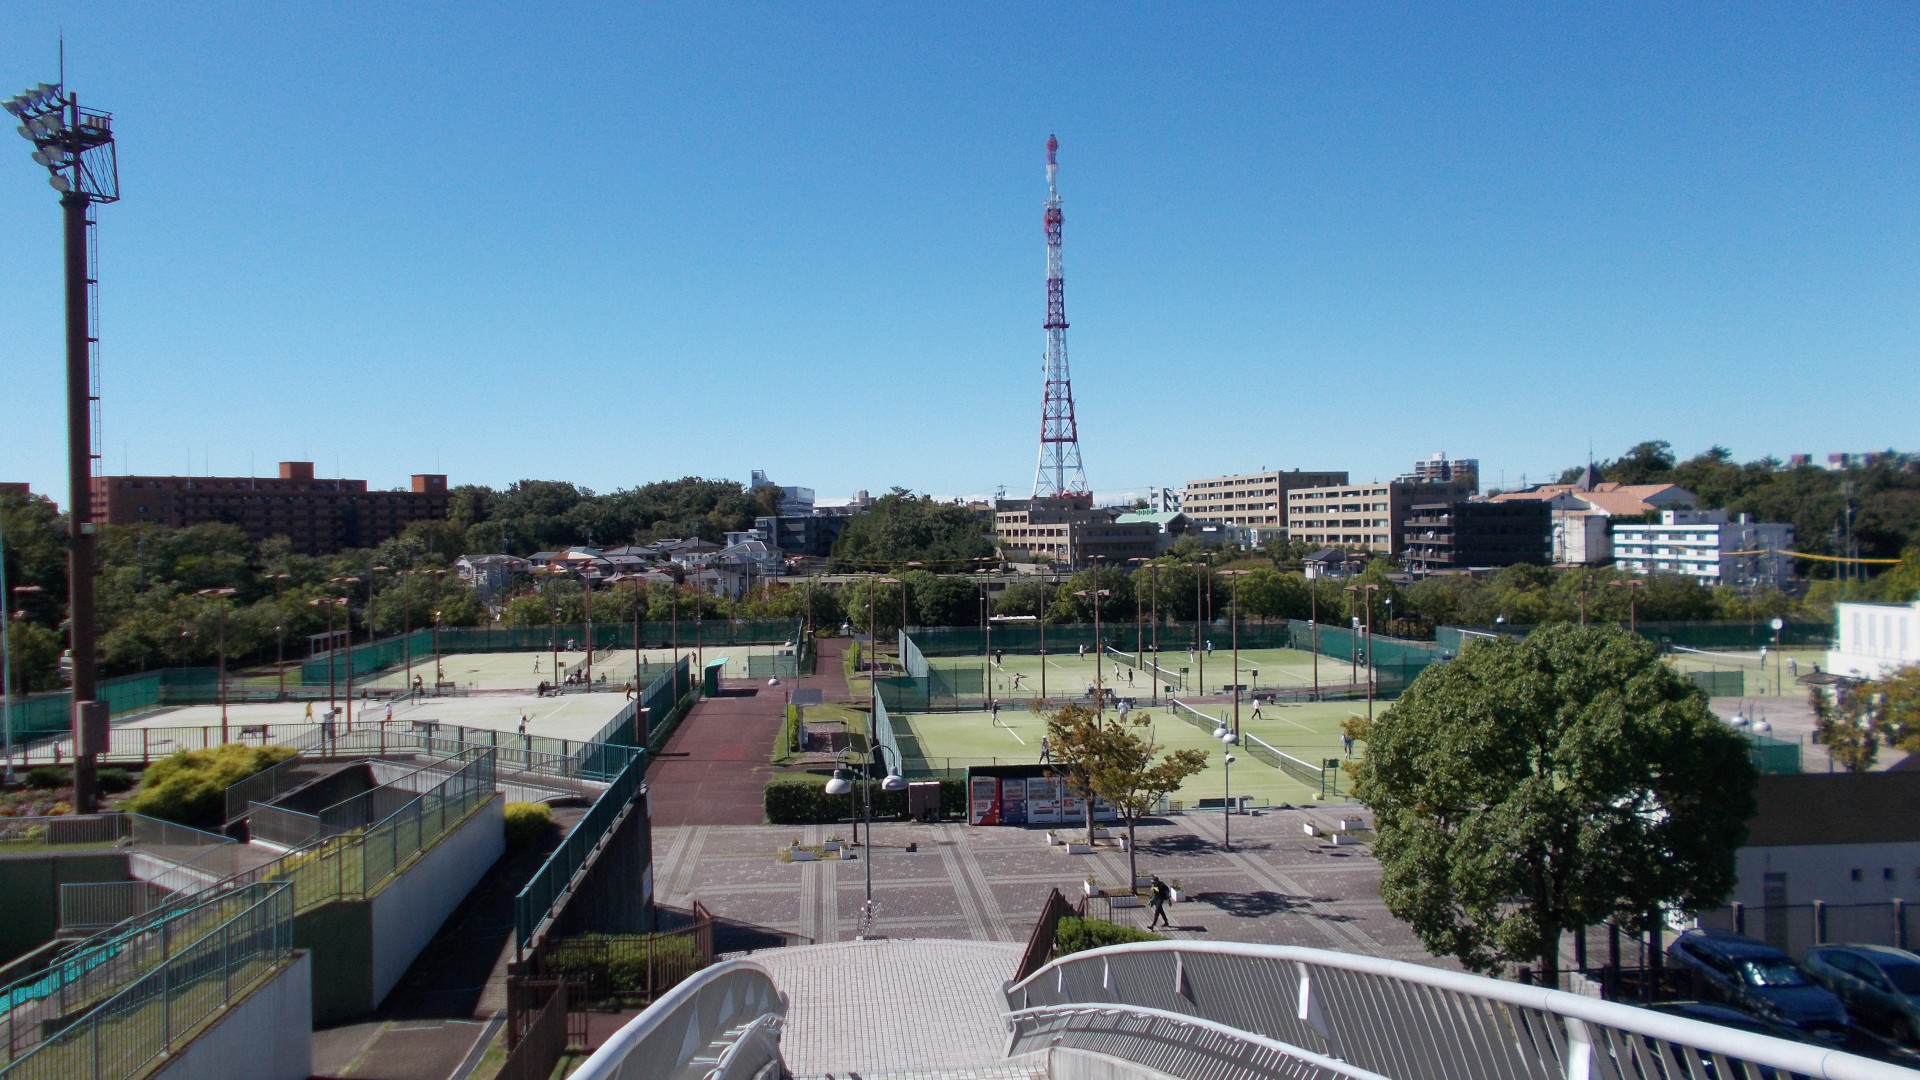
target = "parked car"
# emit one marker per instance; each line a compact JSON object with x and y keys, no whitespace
{"x":1880,"y":985}
{"x":1760,"y":979}
{"x":1855,"y":1040}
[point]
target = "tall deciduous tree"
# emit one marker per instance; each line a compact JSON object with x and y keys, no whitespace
{"x":1532,"y":787}
{"x":1134,"y":774}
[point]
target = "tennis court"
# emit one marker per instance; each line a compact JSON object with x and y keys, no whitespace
{"x":526,"y":670}
{"x":1772,"y":676}
{"x":1017,"y":676}
{"x":1309,"y":733}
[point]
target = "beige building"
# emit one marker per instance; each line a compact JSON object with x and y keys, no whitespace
{"x":1249,"y":498}
{"x":1367,"y":517}
{"x":1070,"y":530}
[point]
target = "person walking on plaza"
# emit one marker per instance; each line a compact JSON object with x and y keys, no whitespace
{"x":1046,"y":755}
{"x":1161,"y":894}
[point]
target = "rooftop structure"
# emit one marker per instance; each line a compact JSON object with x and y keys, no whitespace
{"x":1442,"y":469}
{"x":793,"y":500}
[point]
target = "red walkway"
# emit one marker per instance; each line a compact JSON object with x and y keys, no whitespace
{"x":713,"y":769}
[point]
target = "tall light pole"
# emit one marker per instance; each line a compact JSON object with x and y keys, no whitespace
{"x":586,"y":598}
{"x":279,"y":637}
{"x":1368,"y":594}
{"x":346,"y":623}
{"x":1236,"y":575}
{"x":6,"y":661}
{"x":1313,"y":632}
{"x":220,"y":687}
{"x":76,"y":147}
{"x":840,"y":786}
{"x":1227,"y":738}
{"x":1099,"y":688}
{"x":1632,"y":585}
{"x":1199,"y":620}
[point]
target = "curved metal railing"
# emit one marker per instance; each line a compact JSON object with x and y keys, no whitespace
{"x":1397,"y":1020}
{"x":722,"y":1024}
{"x":1170,"y":1043}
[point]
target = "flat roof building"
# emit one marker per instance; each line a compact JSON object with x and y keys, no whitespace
{"x":1462,"y":533}
{"x":1256,"y":498}
{"x":1708,"y":547}
{"x":1364,"y":517}
{"x":319,"y":516}
{"x":1069,"y":529}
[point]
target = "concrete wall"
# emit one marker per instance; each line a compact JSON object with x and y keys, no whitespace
{"x":30,"y":893}
{"x":409,"y":910}
{"x":1825,"y":872}
{"x":268,"y":1035}
{"x":339,"y":940}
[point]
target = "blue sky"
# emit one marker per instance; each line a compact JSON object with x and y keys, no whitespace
{"x":620,"y":243}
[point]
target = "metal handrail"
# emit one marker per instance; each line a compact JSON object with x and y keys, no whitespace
{"x":724,"y":1003}
{"x":1173,"y":1043}
{"x":1406,"y":1020}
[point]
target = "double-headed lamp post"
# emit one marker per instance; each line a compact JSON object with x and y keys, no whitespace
{"x":893,"y":781}
{"x":76,"y":147}
{"x":1227,"y":738}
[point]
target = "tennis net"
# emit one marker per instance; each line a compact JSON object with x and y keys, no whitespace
{"x":1145,"y":663}
{"x":1323,"y":780}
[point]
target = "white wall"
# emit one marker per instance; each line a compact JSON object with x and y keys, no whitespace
{"x":268,"y":1036}
{"x":1874,"y":639}
{"x":408,"y":912}
{"x":1825,"y":872}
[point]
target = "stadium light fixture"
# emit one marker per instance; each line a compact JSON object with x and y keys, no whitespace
{"x":75,"y":146}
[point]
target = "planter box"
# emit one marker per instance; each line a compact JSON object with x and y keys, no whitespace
{"x":1053,"y":839}
{"x":1102,"y":834}
{"x":800,"y":855}
{"x":1353,"y":823}
{"x":1309,"y":828}
{"x":1177,"y":896}
{"x":1124,"y":900}
{"x":1142,"y":881}
{"x":1344,"y":840}
{"x":1076,"y":849}
{"x":832,"y":847}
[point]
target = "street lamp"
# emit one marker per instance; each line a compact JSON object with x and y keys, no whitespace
{"x":76,"y":147}
{"x":221,"y":686}
{"x":346,"y":623}
{"x":893,"y":781}
{"x":1227,"y":738}
{"x":279,"y":636}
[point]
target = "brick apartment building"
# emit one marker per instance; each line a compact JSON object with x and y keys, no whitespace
{"x":319,"y":516}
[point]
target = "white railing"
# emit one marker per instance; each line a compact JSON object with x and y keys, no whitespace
{"x":721,"y":1024}
{"x":1401,"y":1020}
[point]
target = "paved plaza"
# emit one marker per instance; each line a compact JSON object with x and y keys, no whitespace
{"x":1277,"y":885}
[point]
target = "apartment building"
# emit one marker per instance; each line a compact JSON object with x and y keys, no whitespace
{"x":319,"y":516}
{"x":1368,"y":517}
{"x":1872,"y":640}
{"x":1444,"y":470}
{"x":1070,"y":530}
{"x":1258,"y":498}
{"x":1458,"y":534}
{"x":1708,"y":547}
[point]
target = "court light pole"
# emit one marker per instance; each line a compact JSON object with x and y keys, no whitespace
{"x":1199,"y":653}
{"x":1227,"y":738}
{"x":220,"y":687}
{"x":1099,"y":689}
{"x":346,"y":623}
{"x":6,"y":662}
{"x":1370,"y":590}
{"x":76,"y":147}
{"x":1236,"y":575}
{"x":279,"y":637}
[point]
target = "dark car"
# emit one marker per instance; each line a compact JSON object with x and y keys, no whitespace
{"x":1760,"y":979}
{"x":1880,"y":985}
{"x":1855,"y":1041}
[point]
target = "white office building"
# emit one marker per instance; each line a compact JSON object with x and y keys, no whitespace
{"x":1874,"y":639}
{"x":1706,"y":546}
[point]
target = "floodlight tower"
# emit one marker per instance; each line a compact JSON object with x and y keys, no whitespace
{"x":76,"y":146}
{"x":1059,"y":472}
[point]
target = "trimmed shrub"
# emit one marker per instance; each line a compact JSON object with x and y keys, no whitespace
{"x":115,"y":780}
{"x":49,"y":776}
{"x":1076,"y":934}
{"x":803,"y":800}
{"x":527,"y":822}
{"x":191,"y":786}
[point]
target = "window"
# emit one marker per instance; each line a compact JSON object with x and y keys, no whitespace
{"x":1856,"y":874}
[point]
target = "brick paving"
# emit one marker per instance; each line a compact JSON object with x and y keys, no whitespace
{"x":894,"y":1004}
{"x":713,"y":769}
{"x":1277,"y":886}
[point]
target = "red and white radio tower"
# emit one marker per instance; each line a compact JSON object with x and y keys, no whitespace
{"x":1060,"y":472}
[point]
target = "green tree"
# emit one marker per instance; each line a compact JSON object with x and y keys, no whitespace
{"x":1532,"y":787}
{"x":946,"y":600}
{"x":1077,"y":742}
{"x":901,"y":527}
{"x":1134,"y":772}
{"x":1844,"y":724}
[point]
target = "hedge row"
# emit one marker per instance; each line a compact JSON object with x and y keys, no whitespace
{"x":803,"y":800}
{"x":1076,"y":934}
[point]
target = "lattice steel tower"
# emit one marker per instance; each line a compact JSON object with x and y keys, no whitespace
{"x":1059,"y":472}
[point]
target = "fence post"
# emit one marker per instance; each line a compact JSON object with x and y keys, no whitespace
{"x":226,"y":961}
{"x":1740,"y":918}
{"x":1899,"y":924}
{"x":1819,"y":922}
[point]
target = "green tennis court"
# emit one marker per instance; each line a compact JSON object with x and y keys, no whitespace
{"x":1310,"y":733}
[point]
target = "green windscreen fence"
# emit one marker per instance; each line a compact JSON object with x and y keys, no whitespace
{"x":41,"y":715}
{"x":371,"y":657}
{"x":1696,"y":635}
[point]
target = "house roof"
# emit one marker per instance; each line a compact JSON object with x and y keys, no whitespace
{"x":1836,"y":808}
{"x":1610,"y":498}
{"x":1145,"y":517}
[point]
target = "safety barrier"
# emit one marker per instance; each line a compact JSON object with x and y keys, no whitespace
{"x":1388,"y":1019}
{"x":92,"y":906}
{"x":726,"y":1019}
{"x":370,"y":657}
{"x":535,"y":904}
{"x":107,"y":1011}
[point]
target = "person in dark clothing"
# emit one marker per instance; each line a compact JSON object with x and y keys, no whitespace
{"x":1161,"y":894}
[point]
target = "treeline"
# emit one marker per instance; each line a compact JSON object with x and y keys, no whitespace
{"x":546,"y":515}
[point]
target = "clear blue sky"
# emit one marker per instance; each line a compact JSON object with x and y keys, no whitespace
{"x":620,"y":243}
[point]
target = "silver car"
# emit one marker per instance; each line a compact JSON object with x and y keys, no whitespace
{"x":1880,"y":985}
